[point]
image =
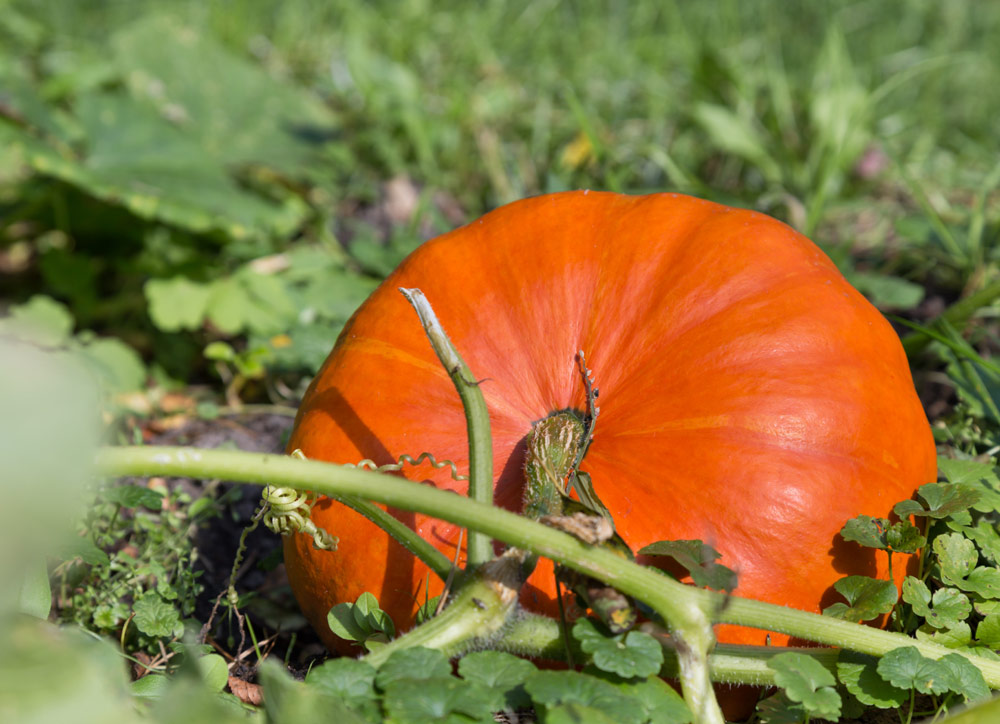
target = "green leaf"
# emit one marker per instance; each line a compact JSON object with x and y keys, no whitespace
{"x":956,"y":556}
{"x":151,"y":686}
{"x":552,"y":688}
{"x":699,"y":560}
{"x":966,"y":678}
{"x":988,"y":631}
{"x":154,"y":616}
{"x":956,"y":636}
{"x":866,"y":531}
{"x":905,"y":668}
{"x":349,"y":680}
{"x":214,"y":671}
{"x":35,"y":596}
{"x":980,"y":476}
{"x":371,"y":618}
{"x":177,"y":303}
{"x":902,"y":537}
{"x":859,"y":674}
{"x":133,"y":496}
{"x":984,"y":534}
{"x":413,"y":663}
{"x":119,"y":366}
{"x":867,"y":598}
{"x":41,"y":320}
{"x":984,"y":581}
{"x":660,"y":702}
{"x":887,"y":292}
{"x":500,"y":672}
{"x":573,"y":713}
{"x":288,"y":701}
{"x":738,"y":136}
{"x":779,"y":709}
{"x":628,"y":655}
{"x":941,"y":499}
{"x":949,"y":605}
{"x":238,"y":114}
{"x":443,"y":699}
{"x":808,"y":683}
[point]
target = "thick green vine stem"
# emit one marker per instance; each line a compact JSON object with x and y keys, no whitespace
{"x":476,"y":616}
{"x":669,"y":598}
{"x":541,"y":637}
{"x":477,"y":420}
{"x":402,"y":533}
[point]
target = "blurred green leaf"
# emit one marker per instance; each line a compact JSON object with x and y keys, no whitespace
{"x":41,"y":320}
{"x":177,"y":303}
{"x":500,"y":672}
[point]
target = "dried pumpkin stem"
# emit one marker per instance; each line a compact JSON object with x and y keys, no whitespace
{"x":477,"y":420}
{"x":669,"y":598}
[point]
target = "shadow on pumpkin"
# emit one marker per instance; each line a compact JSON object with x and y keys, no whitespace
{"x":331,"y":402}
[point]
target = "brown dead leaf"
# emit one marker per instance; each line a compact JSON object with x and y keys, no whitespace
{"x":245,"y":691}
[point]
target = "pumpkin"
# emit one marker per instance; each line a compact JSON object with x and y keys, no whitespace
{"x":749,"y":396}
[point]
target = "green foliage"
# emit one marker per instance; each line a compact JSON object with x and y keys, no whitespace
{"x":362,"y":621}
{"x":132,"y":561}
{"x":867,"y":598}
{"x":628,"y":654}
{"x":698,"y":559}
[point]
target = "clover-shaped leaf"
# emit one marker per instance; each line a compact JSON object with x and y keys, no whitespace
{"x":659,"y":700}
{"x":988,"y":631}
{"x":132,"y":496}
{"x":859,"y":674}
{"x":501,"y":672}
{"x":699,"y":560}
{"x":439,"y":699}
{"x":906,"y":668}
{"x":412,"y":663}
{"x":866,"y":530}
{"x":941,"y":499}
{"x":808,"y":683}
{"x":904,"y":537}
{"x":154,"y":616}
{"x":983,"y":477}
{"x":956,"y":556}
{"x":966,"y":678}
{"x":867,"y":598}
{"x":956,"y":636}
{"x":549,"y":689}
{"x":944,"y":609}
{"x":628,"y":655}
{"x":349,"y":680}
{"x":900,"y":537}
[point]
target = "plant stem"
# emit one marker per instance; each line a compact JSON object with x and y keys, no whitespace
{"x":478,"y":613}
{"x":671,"y":599}
{"x":477,"y":420}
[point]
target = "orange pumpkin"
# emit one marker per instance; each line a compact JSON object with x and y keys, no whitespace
{"x":750,"y":397}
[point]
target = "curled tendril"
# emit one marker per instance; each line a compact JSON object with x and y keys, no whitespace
{"x":287,"y":511}
{"x":410,"y":460}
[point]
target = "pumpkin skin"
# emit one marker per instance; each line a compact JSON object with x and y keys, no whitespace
{"x":750,"y":397}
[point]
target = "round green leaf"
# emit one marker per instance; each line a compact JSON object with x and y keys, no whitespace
{"x":628,"y":655}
